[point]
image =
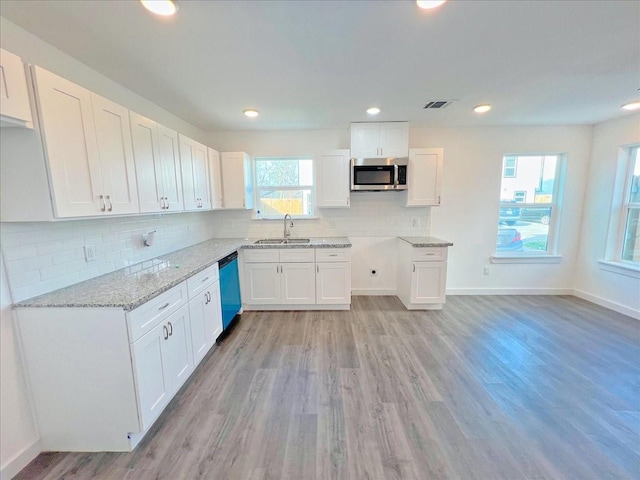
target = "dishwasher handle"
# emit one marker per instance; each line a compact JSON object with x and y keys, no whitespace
{"x":227,"y":260}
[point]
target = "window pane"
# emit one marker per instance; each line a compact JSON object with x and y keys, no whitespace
{"x":523,"y":236}
{"x":284,"y":172}
{"x":534,"y":178}
{"x":634,"y":191}
{"x":631,"y":247}
{"x":280,"y":202}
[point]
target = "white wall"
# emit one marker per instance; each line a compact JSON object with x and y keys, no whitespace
{"x":608,"y":288}
{"x":468,"y":215}
{"x":19,"y":438}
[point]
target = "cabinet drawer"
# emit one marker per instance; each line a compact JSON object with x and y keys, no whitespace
{"x":200,"y":281}
{"x":429,"y":254}
{"x":261,"y":255}
{"x":297,"y":255}
{"x":333,"y":255}
{"x":145,"y":317}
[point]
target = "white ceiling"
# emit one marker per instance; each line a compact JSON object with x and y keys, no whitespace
{"x":320,"y":64}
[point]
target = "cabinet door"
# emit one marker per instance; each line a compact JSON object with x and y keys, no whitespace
{"x":216,"y":178}
{"x":298,"y":283}
{"x":152,"y":390}
{"x":117,"y":167}
{"x":188,"y":165}
{"x":69,"y":136}
{"x":176,"y":351}
{"x":15,"y":108}
{"x":394,"y":139}
{"x":144,"y":136}
{"x":428,"y":282}
{"x":261,"y":284}
{"x":213,"y":325}
{"x":234,"y":175}
{"x":332,"y":172}
{"x":171,"y":173}
{"x":424,"y":177}
{"x":333,"y":283}
{"x":201,"y":178}
{"x":365,"y":140}
{"x":197,"y":315}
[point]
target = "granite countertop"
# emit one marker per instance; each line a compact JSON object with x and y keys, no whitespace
{"x":427,"y":241}
{"x":130,"y":287}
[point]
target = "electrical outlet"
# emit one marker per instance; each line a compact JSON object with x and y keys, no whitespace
{"x":373,"y":272}
{"x":89,"y":253}
{"x":486,"y":270}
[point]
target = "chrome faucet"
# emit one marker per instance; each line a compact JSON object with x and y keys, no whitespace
{"x":287,"y":233}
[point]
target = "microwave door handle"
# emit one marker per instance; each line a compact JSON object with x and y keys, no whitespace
{"x":395,"y":176}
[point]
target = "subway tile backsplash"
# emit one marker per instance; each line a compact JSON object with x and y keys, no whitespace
{"x":44,"y":256}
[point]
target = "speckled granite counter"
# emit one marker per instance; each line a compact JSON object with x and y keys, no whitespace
{"x":427,"y":241}
{"x":130,"y":287}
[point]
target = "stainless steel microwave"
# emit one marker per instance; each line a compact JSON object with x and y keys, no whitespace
{"x":379,"y":174}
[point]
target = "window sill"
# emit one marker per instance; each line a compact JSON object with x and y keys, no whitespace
{"x":621,"y":268}
{"x":526,"y":259}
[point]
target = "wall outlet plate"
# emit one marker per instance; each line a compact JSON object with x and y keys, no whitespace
{"x":90,"y":253}
{"x":486,"y":270}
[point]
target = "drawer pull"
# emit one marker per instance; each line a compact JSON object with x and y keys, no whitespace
{"x":205,"y":279}
{"x":164,"y":306}
{"x":333,"y":254}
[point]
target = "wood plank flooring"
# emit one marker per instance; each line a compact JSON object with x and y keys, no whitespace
{"x":509,"y":387}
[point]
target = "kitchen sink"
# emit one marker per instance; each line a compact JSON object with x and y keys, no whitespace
{"x":280,"y":241}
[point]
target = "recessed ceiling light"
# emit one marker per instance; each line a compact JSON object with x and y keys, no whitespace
{"x":632,"y":105}
{"x":166,"y":8}
{"x":251,"y":112}
{"x":428,"y":4}
{"x":482,"y":108}
{"x":373,"y":110}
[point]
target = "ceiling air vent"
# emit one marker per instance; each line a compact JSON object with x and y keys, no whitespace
{"x":438,"y":104}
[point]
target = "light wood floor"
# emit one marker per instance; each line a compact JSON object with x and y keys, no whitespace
{"x":488,"y":388}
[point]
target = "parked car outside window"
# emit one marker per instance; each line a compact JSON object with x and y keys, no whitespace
{"x":509,"y":240}
{"x":539,"y":215}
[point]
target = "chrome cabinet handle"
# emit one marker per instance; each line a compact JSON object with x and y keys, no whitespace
{"x":164,"y":306}
{"x":205,"y":279}
{"x":104,"y":205}
{"x":317,"y":268}
{"x":333,"y":254}
{"x":108,"y":197}
{"x":170,"y":328}
{"x":414,"y":267}
{"x":166,"y":332}
{"x":162,"y":207}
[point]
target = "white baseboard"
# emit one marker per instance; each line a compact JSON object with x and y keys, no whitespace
{"x":509,"y":291}
{"x":616,"y":307}
{"x":374,"y":292}
{"x":11,"y":468}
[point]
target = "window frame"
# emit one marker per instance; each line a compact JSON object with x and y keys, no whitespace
{"x":504,"y":166}
{"x":258,"y":188}
{"x":550,"y":255}
{"x":626,"y":205}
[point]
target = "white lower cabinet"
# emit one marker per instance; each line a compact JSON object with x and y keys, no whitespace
{"x":205,"y":311}
{"x":422,"y":276}
{"x":162,"y":362}
{"x":277,"y":278}
{"x":100,"y":377}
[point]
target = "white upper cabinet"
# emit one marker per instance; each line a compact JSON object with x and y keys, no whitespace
{"x":332,"y":173}
{"x":236,"y":180}
{"x":88,"y":148}
{"x":155,"y":149}
{"x":424,"y":177}
{"x":194,"y":163}
{"x":117,"y":166}
{"x":215,"y":175}
{"x":15,"y":109}
{"x":388,"y":139}
{"x":71,"y":148}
